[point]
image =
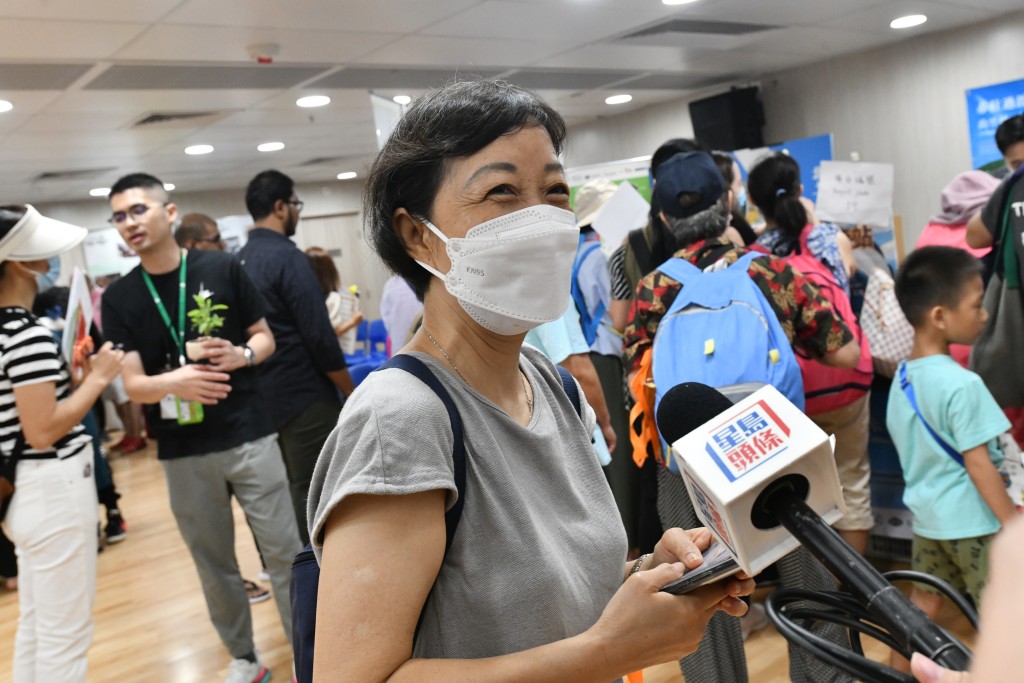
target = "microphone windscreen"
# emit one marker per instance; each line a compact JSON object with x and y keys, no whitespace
{"x":687,"y":406}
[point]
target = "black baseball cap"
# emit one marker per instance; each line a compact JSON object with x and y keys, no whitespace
{"x":687,"y":184}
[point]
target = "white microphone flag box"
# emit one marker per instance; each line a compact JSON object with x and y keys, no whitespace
{"x":728,"y":461}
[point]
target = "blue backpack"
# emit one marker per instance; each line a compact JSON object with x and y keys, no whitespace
{"x":590,"y":323}
{"x":305,"y":580}
{"x":720,"y":330}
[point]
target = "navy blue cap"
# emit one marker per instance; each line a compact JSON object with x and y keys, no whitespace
{"x":692,"y":173}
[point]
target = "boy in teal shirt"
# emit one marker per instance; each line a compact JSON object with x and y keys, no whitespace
{"x":953,"y":488}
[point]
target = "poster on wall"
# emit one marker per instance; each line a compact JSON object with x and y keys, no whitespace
{"x":988,"y":107}
{"x":808,"y":152}
{"x":634,"y":170}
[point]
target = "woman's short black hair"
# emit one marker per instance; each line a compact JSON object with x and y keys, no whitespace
{"x":455,"y":121}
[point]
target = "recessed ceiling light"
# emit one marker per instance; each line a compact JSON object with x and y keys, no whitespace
{"x":99,"y":192}
{"x":618,"y":99}
{"x":5,"y":106}
{"x":677,"y":2}
{"x":199,"y":149}
{"x":313,"y":101}
{"x":270,"y":147}
{"x":908,"y":21}
{"x":402,"y":99}
{"x":347,"y":175}
{"x":169,"y":186}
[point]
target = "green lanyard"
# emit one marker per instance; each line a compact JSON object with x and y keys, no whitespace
{"x":177,"y":335}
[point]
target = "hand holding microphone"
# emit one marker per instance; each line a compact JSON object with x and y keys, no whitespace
{"x":762,"y":477}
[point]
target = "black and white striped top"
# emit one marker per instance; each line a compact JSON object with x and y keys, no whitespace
{"x":29,"y":355}
{"x":621,"y":291}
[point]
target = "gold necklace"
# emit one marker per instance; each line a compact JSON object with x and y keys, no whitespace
{"x":522,"y":375}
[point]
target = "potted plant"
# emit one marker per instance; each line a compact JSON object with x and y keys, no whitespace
{"x":205,"y":321}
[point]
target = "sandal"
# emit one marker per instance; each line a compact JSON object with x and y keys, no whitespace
{"x":256,"y":592}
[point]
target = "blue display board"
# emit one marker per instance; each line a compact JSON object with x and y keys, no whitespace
{"x":986,"y":108}
{"x":808,"y":152}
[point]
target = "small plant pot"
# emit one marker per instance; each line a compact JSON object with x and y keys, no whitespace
{"x":194,"y":348}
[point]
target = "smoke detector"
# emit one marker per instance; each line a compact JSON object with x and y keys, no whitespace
{"x":264,"y":53}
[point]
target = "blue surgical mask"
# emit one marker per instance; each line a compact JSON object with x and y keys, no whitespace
{"x":47,"y":280}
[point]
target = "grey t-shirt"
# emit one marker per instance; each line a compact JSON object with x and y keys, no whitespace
{"x":540,"y":547}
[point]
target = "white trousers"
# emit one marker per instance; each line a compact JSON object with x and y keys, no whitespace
{"x":52,"y":523}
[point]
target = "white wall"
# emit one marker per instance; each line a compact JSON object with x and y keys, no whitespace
{"x":903,"y":104}
{"x":630,"y":135}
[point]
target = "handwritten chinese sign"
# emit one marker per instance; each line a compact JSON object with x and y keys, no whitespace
{"x":855,"y":193}
{"x":747,"y":441}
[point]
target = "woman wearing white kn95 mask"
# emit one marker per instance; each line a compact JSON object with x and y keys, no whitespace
{"x":463,"y":527}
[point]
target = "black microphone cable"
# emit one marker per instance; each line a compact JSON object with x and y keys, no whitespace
{"x":793,"y":611}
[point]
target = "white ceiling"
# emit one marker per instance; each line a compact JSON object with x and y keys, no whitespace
{"x":81,"y":74}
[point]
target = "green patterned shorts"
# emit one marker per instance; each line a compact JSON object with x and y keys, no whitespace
{"x":963,"y":563}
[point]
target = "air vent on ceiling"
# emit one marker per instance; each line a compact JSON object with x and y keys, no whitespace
{"x":73,"y":175}
{"x":172,"y":119}
{"x":321,"y":160}
{"x":721,"y":28}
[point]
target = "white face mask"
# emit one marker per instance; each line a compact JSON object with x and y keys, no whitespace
{"x":513,"y":273}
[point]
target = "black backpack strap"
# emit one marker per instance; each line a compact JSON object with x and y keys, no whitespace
{"x":641,"y":250}
{"x":571,"y":390}
{"x":414,"y":366}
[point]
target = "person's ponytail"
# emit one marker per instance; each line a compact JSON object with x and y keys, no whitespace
{"x":790,"y":215}
{"x":774,"y":186}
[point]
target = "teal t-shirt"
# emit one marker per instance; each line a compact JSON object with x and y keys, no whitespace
{"x":945,"y":503}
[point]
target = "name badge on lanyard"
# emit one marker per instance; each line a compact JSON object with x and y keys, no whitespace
{"x":172,"y":407}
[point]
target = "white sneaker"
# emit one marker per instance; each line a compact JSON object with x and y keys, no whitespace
{"x":244,"y":671}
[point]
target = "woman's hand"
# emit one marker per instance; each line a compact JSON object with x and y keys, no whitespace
{"x":679,"y":545}
{"x":647,"y":627}
{"x":104,"y":365}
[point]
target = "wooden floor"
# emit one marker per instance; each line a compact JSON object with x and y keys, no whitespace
{"x":151,"y":620}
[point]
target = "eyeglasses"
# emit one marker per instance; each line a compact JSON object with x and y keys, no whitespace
{"x":297,"y":203}
{"x":216,"y":239}
{"x":136,"y":211}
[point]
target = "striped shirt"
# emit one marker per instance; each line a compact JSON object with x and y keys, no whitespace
{"x":29,"y":355}
{"x":621,"y":291}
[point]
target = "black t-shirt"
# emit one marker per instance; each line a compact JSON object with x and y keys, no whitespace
{"x":1007,"y":201}
{"x":131,"y":318}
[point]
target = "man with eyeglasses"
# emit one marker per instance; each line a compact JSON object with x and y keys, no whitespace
{"x":199,"y":231}
{"x":204,"y":408}
{"x":302,"y":380}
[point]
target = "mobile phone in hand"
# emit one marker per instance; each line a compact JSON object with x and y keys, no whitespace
{"x":718,"y":564}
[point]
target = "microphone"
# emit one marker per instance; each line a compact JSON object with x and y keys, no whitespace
{"x":763,"y":479}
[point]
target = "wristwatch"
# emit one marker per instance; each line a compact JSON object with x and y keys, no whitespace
{"x":250,"y":355}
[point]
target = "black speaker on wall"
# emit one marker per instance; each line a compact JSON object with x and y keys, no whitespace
{"x":732,"y":120}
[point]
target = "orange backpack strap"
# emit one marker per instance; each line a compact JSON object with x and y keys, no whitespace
{"x":643,"y":431}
